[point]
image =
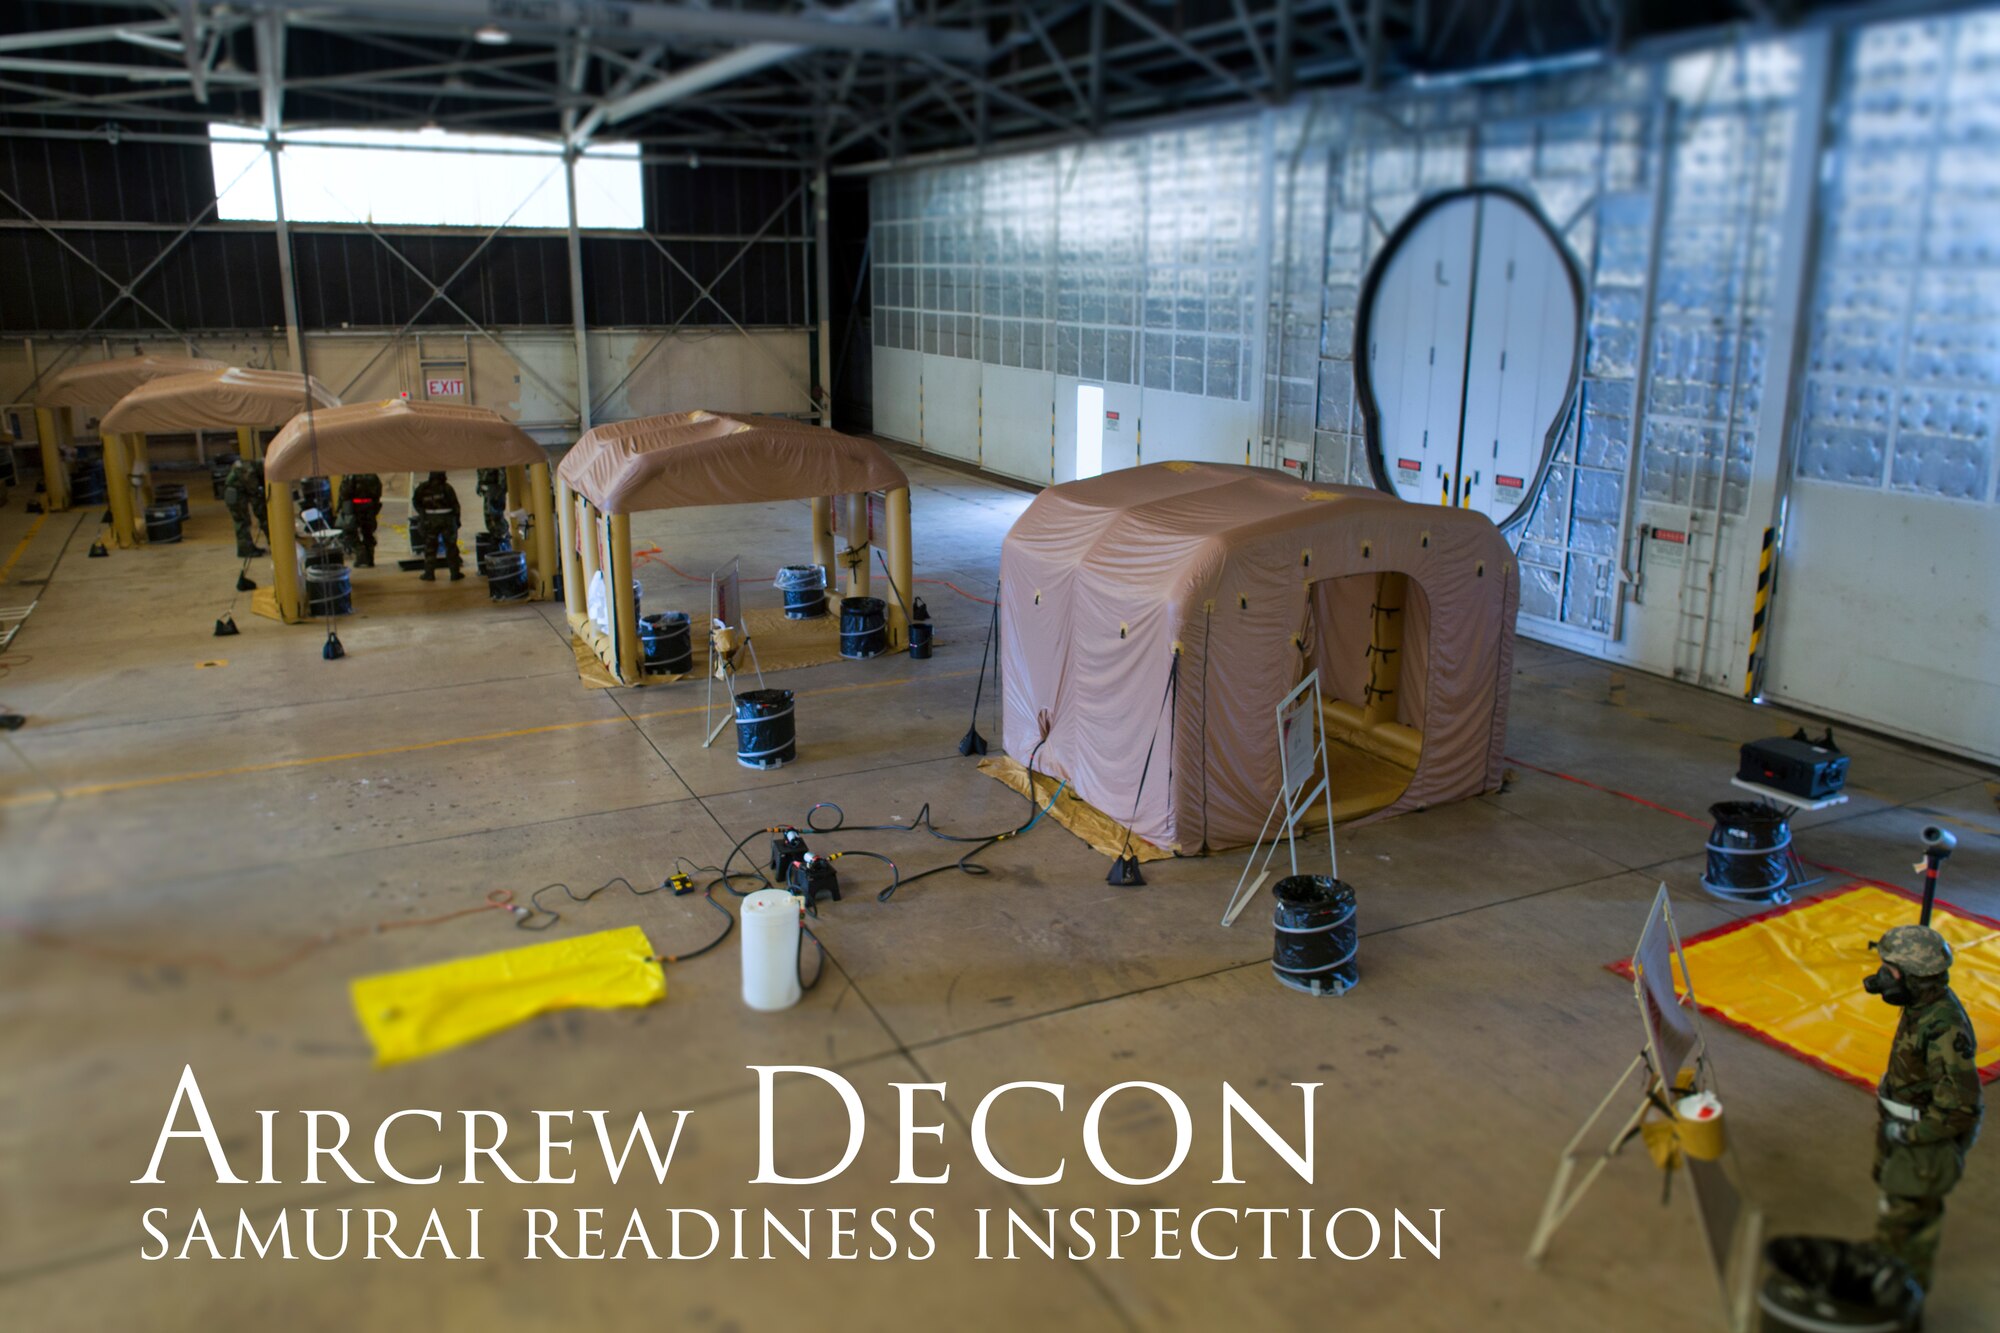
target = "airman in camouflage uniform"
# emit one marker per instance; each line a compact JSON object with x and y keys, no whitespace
{"x":359,"y":508}
{"x":243,"y":493}
{"x":493,"y":492}
{"x":1929,"y":1100}
{"x":434,"y":524}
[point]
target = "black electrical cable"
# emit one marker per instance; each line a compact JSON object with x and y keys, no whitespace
{"x":529,"y":917}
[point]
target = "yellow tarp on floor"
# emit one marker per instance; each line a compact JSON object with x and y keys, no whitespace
{"x":1793,"y":978}
{"x":409,"y":1015}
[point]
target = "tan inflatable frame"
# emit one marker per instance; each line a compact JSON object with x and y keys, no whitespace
{"x":592,"y":539}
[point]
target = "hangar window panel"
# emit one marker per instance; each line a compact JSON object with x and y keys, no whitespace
{"x":1903,"y":353}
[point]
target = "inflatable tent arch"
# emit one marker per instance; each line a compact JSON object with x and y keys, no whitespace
{"x":226,"y":398}
{"x":1248,"y":578}
{"x":683,"y":459}
{"x":93,"y":389}
{"x":397,"y":435}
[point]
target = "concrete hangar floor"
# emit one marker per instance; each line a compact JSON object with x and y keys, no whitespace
{"x":198,"y":835}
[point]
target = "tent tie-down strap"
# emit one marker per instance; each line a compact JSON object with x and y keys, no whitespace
{"x":1375,"y":648}
{"x":1379,"y":610}
{"x":1369,"y":692}
{"x":1170,"y":706}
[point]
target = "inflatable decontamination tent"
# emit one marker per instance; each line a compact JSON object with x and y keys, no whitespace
{"x":1249,"y":579}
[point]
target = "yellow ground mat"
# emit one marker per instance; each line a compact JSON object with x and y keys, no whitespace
{"x":420,"y":1012}
{"x":781,"y":644}
{"x":1104,"y":834}
{"x":1792,"y":978}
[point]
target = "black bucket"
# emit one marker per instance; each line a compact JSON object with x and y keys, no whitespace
{"x":764,"y":734}
{"x":218,"y":473}
{"x":506,"y":575}
{"x":1749,"y":852}
{"x":485,"y":544}
{"x":175,"y":494}
{"x":668,"y":643}
{"x":329,"y":590}
{"x":1823,"y":1284}
{"x":1317,"y":935}
{"x":327,"y":555}
{"x":163,"y":523}
{"x":864,"y":630}
{"x":316,"y":493}
{"x":86,"y":483}
{"x":804,"y":587}
{"x":920,"y":629}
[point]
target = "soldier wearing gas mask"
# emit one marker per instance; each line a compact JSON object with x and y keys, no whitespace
{"x":1929,"y":1098}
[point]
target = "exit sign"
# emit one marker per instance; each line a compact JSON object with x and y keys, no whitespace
{"x":445,"y":388}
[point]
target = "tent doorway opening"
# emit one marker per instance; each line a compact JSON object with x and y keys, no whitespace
{"x":1089,"y":430}
{"x":1368,"y":637}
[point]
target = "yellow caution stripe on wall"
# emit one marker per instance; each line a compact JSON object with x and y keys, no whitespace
{"x":1759,"y":614}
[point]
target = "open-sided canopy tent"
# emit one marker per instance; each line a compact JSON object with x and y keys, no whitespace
{"x":224,"y":398}
{"x":1253,"y":578}
{"x":92,"y":389}
{"x":396,"y":435}
{"x":682,"y":459}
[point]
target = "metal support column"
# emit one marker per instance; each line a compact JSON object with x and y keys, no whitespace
{"x":822,"y":298}
{"x":576,"y":297}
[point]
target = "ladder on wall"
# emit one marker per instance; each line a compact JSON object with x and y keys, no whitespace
{"x":440,"y":371}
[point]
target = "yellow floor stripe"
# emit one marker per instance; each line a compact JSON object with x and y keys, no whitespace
{"x":276,"y":765}
{"x":22,"y":549}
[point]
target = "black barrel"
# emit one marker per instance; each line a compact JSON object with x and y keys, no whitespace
{"x":1316,"y":935}
{"x":329,"y":592}
{"x":864,"y":630}
{"x":804,"y":587}
{"x":316,"y":493}
{"x":485,"y":544}
{"x":163,"y":523}
{"x":175,"y":494}
{"x":325,"y":555}
{"x":1823,"y":1284}
{"x":506,"y":575}
{"x":764,"y":734}
{"x":1749,"y":852}
{"x":86,"y":482}
{"x":218,"y":472}
{"x":668,"y":643}
{"x":920,"y":629}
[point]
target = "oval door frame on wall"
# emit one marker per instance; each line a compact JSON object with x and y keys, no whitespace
{"x":1457,"y":485}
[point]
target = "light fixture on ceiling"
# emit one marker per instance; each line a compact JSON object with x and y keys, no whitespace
{"x":492,"y":34}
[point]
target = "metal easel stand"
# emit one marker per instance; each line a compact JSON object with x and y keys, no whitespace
{"x":1302,"y":754}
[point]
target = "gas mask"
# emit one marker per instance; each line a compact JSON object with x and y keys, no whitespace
{"x":1892,"y":988}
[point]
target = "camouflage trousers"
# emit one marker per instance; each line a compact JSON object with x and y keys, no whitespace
{"x":246,"y":544}
{"x":1909,"y":1229}
{"x":433,"y":536}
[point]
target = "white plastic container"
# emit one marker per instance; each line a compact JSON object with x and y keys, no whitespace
{"x":770,"y":931}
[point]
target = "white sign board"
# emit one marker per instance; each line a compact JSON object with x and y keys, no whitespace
{"x":1302,"y":779}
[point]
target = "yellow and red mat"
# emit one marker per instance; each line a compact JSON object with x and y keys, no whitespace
{"x":1791,"y":977}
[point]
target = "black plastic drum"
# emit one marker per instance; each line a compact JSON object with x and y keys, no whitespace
{"x":764,"y":735}
{"x":506,"y":575}
{"x":1317,"y":936}
{"x":163,"y":523}
{"x":804,"y":587}
{"x":175,"y":494}
{"x":485,"y":544}
{"x":86,"y":483}
{"x":218,"y":472}
{"x":668,"y":643}
{"x":864,"y":630}
{"x":329,"y":591}
{"x":1749,"y":852}
{"x":1818,"y":1284}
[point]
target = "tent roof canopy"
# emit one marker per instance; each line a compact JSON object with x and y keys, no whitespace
{"x":217,"y":400}
{"x":396,"y":435}
{"x":711,"y":458}
{"x":96,"y":386}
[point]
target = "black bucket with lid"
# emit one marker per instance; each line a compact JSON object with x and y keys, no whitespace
{"x":1317,"y":936}
{"x":864,"y":628}
{"x":175,"y":494}
{"x":1821,"y":1284}
{"x":1749,"y":852}
{"x":485,"y":544}
{"x":86,"y":482}
{"x":329,"y":590}
{"x":163,"y":523}
{"x":764,"y":731}
{"x":804,"y":587}
{"x":506,"y":575}
{"x":668,"y":643}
